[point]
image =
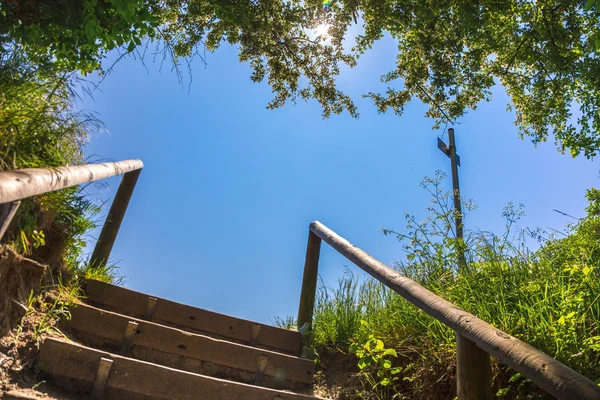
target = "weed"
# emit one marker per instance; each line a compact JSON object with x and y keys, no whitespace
{"x":45,"y":310}
{"x":375,"y":362}
{"x":288,"y":322}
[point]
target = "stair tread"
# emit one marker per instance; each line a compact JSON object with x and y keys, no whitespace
{"x":108,"y":330}
{"x":133,"y":379}
{"x":192,"y":319}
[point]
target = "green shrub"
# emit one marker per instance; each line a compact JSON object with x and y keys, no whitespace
{"x":41,"y":126}
{"x":548,"y":298}
{"x":375,"y":361}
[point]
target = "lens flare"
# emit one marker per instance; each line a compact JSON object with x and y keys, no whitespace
{"x":322,"y":31}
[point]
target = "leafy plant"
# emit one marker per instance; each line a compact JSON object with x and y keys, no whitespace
{"x":516,"y":384}
{"x":74,"y":35}
{"x":374,"y":359}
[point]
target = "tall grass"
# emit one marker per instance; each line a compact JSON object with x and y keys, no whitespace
{"x":548,"y":298}
{"x":41,"y":126}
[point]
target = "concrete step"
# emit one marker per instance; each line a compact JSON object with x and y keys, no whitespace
{"x":191,"y":319}
{"x":110,"y":376}
{"x":197,"y":353}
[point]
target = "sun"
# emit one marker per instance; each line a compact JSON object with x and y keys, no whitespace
{"x":322,"y":31}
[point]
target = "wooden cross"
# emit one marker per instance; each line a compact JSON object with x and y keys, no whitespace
{"x":450,"y":151}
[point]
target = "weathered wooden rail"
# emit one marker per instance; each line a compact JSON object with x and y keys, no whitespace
{"x":21,"y":184}
{"x":476,"y":339}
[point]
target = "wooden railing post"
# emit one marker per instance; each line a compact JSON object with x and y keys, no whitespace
{"x":309,"y":282}
{"x":473,"y":371}
{"x":7,"y":213}
{"x":110,"y":230}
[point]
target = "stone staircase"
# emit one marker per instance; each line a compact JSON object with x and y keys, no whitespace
{"x":135,"y":346}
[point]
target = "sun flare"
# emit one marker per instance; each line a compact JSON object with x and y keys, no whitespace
{"x":322,"y":31}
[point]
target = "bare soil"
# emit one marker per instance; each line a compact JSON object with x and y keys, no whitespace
{"x":20,"y":319}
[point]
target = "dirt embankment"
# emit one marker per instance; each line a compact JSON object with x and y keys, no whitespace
{"x":19,"y":278}
{"x":24,"y":322}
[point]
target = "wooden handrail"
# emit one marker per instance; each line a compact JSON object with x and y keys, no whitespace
{"x":24,"y":183}
{"x":543,"y":370}
{"x":21,"y":184}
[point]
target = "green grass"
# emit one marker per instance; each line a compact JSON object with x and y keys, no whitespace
{"x":549,"y":298}
{"x":41,"y":126}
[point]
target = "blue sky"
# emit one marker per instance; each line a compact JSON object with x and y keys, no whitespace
{"x":220,"y":215}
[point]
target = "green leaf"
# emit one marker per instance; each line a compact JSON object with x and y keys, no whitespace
{"x":90,"y":28}
{"x":387,"y":364}
{"x":390,"y":352}
{"x":362,"y":364}
{"x":515,"y":377}
{"x":589,"y":4}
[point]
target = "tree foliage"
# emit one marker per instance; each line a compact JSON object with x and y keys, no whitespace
{"x":274,"y":37}
{"x":74,"y":34}
{"x":451,"y":53}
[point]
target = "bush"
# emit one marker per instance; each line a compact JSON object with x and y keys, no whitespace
{"x":41,"y":127}
{"x":549,"y":298}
